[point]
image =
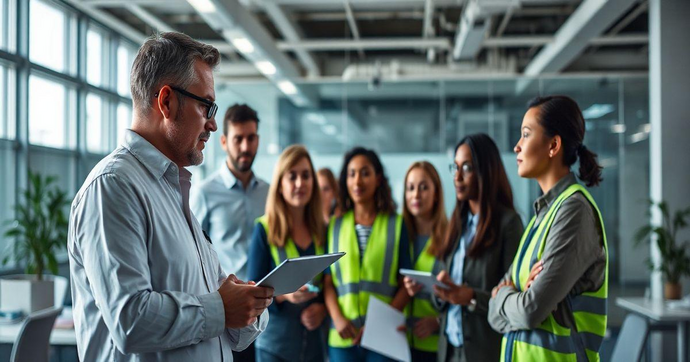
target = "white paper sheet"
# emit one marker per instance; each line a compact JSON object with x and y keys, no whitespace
{"x":381,"y":334}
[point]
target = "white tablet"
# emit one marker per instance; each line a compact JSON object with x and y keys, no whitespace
{"x":292,"y":274}
{"x":426,"y":279}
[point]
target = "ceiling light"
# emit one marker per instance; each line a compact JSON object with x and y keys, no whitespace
{"x":597,"y":110}
{"x":287,"y":87}
{"x":203,"y":6}
{"x":330,"y":129}
{"x":316,"y":118}
{"x":266,"y":67}
{"x":618,"y":128}
{"x":243,"y":45}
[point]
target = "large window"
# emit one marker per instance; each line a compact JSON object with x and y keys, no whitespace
{"x":7,"y":101}
{"x":125,"y":58}
{"x":51,"y":33}
{"x":97,"y":46}
{"x":97,"y":130}
{"x":49,"y":124}
{"x":124,"y":120}
{"x":3,"y":24}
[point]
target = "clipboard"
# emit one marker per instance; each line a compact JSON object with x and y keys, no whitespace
{"x":292,"y":274}
{"x":428,"y":280}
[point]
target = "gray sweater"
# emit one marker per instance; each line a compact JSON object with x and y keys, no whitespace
{"x":574,"y":263}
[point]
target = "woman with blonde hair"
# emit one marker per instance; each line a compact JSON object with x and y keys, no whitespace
{"x":292,"y":227}
{"x":329,"y":193}
{"x":425,"y":217}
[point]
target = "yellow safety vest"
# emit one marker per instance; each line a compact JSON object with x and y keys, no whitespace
{"x":421,"y":305}
{"x":551,"y":341}
{"x":375,"y":274}
{"x":289,"y":250}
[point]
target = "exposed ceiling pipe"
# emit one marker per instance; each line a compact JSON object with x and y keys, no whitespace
{"x":353,"y":25}
{"x":395,"y":70}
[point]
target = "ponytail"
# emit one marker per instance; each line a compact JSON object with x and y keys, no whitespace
{"x":590,"y":170}
{"x":560,"y":115}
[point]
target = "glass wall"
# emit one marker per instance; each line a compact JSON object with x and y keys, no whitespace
{"x":410,"y":121}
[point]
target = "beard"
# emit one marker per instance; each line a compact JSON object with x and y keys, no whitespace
{"x":245,"y":165}
{"x":192,"y":155}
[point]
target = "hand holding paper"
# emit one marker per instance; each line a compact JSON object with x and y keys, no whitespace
{"x":381,"y":334}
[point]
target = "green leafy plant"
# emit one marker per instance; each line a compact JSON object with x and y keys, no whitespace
{"x":675,"y":262}
{"x":40,"y":228}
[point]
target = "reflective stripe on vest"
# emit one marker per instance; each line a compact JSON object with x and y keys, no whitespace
{"x":356,"y":279}
{"x":421,"y":306}
{"x":551,"y":341}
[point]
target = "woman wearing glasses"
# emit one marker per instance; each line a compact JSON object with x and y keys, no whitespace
{"x":482,"y":238}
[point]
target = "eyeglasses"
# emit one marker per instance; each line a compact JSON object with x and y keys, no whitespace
{"x":212,"y":106}
{"x":466,"y":169}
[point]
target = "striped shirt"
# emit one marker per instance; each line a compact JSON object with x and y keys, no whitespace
{"x":363,"y":233}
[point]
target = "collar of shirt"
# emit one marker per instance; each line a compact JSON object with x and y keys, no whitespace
{"x":231,"y":181}
{"x":543,"y":202}
{"x":153,"y":159}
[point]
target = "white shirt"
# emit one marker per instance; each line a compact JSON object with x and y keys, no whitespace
{"x":144,"y":278}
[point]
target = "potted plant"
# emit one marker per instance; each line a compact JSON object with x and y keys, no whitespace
{"x":675,"y":262}
{"x":39,"y":230}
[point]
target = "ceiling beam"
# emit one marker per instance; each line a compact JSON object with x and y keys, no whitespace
{"x":353,"y":25}
{"x":291,"y":31}
{"x":110,"y":21}
{"x":239,"y":27}
{"x":149,"y":18}
{"x":588,"y":21}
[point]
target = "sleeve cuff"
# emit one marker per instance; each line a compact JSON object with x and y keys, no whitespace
{"x":214,"y":313}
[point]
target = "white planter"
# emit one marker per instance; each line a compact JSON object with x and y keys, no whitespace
{"x":24,"y":292}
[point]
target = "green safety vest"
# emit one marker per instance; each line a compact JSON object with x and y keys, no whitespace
{"x":375,"y":274}
{"x":289,"y":250}
{"x":421,"y":305}
{"x":551,"y":341}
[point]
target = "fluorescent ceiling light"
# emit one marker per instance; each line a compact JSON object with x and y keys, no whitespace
{"x":330,"y":129}
{"x":287,"y":87}
{"x":316,"y":118}
{"x":597,"y":110}
{"x":203,"y":6}
{"x":618,"y":128}
{"x":243,"y":45}
{"x":266,"y":67}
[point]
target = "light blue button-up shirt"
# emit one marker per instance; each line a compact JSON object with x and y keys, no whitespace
{"x":454,"y":323}
{"x":227,"y":212}
{"x":144,"y":278}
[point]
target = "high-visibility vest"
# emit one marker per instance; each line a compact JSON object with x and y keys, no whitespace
{"x":375,"y":274}
{"x":288,"y":250}
{"x":551,"y":341}
{"x":421,"y":305}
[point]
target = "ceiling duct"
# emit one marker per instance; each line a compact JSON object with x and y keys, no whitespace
{"x":475,"y":23}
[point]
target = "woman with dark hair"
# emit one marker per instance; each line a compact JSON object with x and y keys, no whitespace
{"x":375,"y":240}
{"x":481,"y":241}
{"x":551,"y":304}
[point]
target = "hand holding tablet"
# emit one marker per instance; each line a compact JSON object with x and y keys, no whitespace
{"x":292,"y":274}
{"x":426,"y":279}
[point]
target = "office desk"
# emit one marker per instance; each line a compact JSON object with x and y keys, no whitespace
{"x":658,"y":311}
{"x":59,"y":337}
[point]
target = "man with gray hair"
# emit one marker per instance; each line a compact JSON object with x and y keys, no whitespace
{"x":146,"y":282}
